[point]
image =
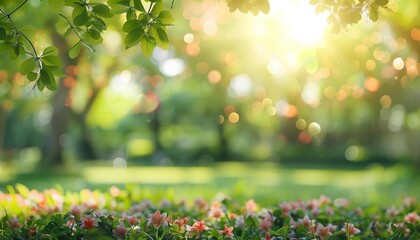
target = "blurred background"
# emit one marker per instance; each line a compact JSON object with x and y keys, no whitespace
{"x":243,"y":103}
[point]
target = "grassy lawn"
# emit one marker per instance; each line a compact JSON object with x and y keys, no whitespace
{"x":266,"y":183}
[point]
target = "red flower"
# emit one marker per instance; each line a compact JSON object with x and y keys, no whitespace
{"x":88,"y":222}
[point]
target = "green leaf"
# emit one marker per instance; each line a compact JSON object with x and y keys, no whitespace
{"x":40,"y":85}
{"x":56,"y":5}
{"x":47,"y":78}
{"x":381,"y":2}
{"x":373,"y":13}
{"x":75,"y":50}
{"x":100,"y":25}
{"x":125,"y":3}
{"x":32,"y":76}
{"x":162,"y":40}
{"x":131,"y":14}
{"x":51,"y":60}
{"x":147,"y":45}
{"x":80,"y":16}
{"x":4,"y":46}
{"x":23,"y":190}
{"x":50,"y":51}
{"x":102,"y":10}
{"x":2,"y":33}
{"x":133,"y":37}
{"x":130,"y":25}
{"x":166,"y":17}
{"x":251,"y":222}
{"x":14,"y":51}
{"x":263,"y":5}
{"x":139,"y":6}
{"x":94,"y":34}
{"x":119,"y":6}
{"x":27,"y":66}
{"x":157,"y":8}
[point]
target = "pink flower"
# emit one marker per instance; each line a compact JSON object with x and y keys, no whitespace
{"x":76,"y":210}
{"x":251,"y":206}
{"x":265,"y":224}
{"x":120,"y":231}
{"x":132,"y":220}
{"x":227,"y":231}
{"x":411,"y":217}
{"x":14,"y":223}
{"x":157,"y":219}
{"x":197,"y":228}
{"x":409,"y":201}
{"x":216,"y":212}
{"x":305,"y":221}
{"x":323,"y":200}
{"x":285,"y":207}
{"x":88,"y":222}
{"x":350,"y":229}
{"x":201,"y":204}
{"x":392,"y":212}
{"x":181,"y":223}
{"x":323,"y":232}
{"x":341,"y":203}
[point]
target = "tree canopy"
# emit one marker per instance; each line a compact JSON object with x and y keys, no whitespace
{"x":145,"y":23}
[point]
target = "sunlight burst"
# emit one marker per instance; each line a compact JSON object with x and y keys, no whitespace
{"x":300,"y":20}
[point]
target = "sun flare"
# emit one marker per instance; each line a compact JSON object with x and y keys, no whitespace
{"x":300,"y":21}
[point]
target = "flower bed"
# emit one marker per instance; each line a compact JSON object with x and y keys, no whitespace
{"x":124,"y":214}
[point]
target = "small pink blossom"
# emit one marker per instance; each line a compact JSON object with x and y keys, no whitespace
{"x":341,"y":203}
{"x":411,"y":217}
{"x":400,"y":227}
{"x":88,"y":222}
{"x":409,"y":201}
{"x":120,"y":231}
{"x":157,"y":219}
{"x":323,"y":232}
{"x":285,"y":207}
{"x":197,"y":228}
{"x":251,"y":206}
{"x":76,"y":210}
{"x":227,"y":231}
{"x":392,"y":212}
{"x":201,"y":204}
{"x":216,"y":212}
{"x":132,"y":220}
{"x":181,"y":223}
{"x":323,"y":200}
{"x":305,"y":221}
{"x":350,"y":229}
{"x":265,"y":224}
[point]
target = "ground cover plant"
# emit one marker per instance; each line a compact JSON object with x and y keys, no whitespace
{"x":126,"y":214}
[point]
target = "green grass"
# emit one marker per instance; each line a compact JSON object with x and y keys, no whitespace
{"x":267,"y":183}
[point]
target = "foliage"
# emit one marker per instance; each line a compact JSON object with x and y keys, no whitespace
{"x":125,"y":214}
{"x":146,"y":22}
{"x":345,"y":12}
